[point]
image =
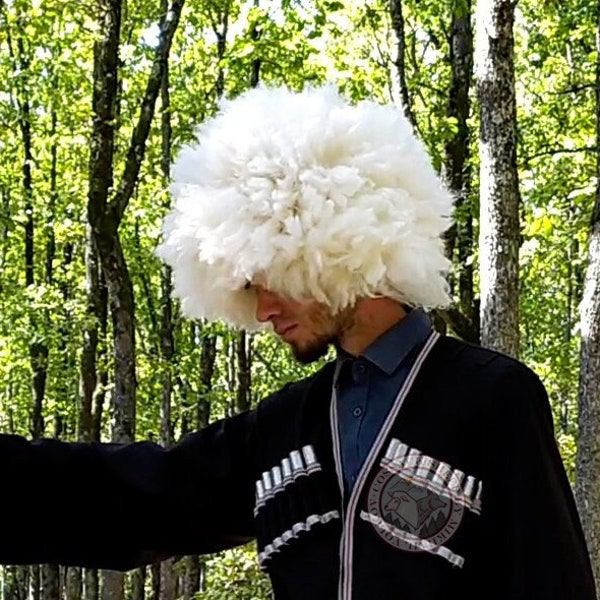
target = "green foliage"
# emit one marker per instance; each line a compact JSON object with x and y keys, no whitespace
{"x":235,"y":574}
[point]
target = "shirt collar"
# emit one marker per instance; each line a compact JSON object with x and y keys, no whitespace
{"x":389,"y":350}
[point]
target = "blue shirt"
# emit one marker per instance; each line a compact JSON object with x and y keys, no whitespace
{"x":368,"y":384}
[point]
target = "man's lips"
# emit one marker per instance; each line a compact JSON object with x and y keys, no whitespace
{"x":283,"y":331}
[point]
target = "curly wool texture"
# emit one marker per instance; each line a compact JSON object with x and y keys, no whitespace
{"x":320,"y":198}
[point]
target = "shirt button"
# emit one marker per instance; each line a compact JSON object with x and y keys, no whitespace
{"x":357,"y":411}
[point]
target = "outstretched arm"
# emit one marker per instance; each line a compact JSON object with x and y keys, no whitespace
{"x":118,"y":506}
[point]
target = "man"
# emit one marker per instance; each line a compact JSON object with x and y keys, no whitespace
{"x":413,"y":466}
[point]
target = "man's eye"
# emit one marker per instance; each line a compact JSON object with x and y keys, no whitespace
{"x":248,"y":285}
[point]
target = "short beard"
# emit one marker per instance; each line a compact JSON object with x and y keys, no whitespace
{"x":316,"y":350}
{"x":318,"y":347}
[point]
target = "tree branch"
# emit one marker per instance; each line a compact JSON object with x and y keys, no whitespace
{"x":554,"y":151}
{"x":137,"y":146}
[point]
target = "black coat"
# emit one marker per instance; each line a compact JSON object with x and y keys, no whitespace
{"x":463,"y":496}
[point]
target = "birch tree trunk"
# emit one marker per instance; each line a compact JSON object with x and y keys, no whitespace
{"x":587,"y":490}
{"x":499,"y":185}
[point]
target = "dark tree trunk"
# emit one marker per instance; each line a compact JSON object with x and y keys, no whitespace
{"x":91,"y":584}
{"x":397,"y":18}
{"x":51,"y":582}
{"x":255,"y":35}
{"x":38,"y":351}
{"x":138,"y":581}
{"x":103,"y":232}
{"x":207,"y":370}
{"x":155,"y":581}
{"x":460,"y":240}
{"x":89,"y":354}
{"x":220,"y":27}
{"x":243,"y":343}
{"x":16,"y":584}
{"x":105,"y":213}
{"x":74,"y":584}
{"x":93,"y":381}
{"x":499,"y":185}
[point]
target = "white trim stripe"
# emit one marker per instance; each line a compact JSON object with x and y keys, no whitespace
{"x":413,"y":540}
{"x":337,"y":457}
{"x":347,"y":538}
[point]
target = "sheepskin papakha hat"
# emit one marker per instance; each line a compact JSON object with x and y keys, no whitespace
{"x":316,"y":197}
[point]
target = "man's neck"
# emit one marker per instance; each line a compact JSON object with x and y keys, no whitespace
{"x":371,"y":318}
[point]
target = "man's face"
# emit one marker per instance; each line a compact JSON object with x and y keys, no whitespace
{"x":308,"y":327}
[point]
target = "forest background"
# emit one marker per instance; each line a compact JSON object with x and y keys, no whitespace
{"x":97,"y":96}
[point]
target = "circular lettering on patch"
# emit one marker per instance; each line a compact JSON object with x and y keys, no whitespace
{"x":406,"y":512}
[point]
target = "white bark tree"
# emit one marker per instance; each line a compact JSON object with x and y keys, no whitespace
{"x":499,"y":184}
{"x":587,"y":489}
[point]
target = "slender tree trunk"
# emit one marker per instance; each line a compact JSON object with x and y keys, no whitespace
{"x":167,"y":339}
{"x":220,"y":26}
{"x":33,"y":579}
{"x":499,"y":195}
{"x":4,"y":226}
{"x":587,"y":489}
{"x":74,"y":584}
{"x":38,"y":351}
{"x":192,"y":583}
{"x":138,"y":583}
{"x":155,"y":581}
{"x":51,"y":582}
{"x":255,"y":35}
{"x":397,"y":18}
{"x":15,"y":584}
{"x":243,"y":344}
{"x":193,"y":577}
{"x":88,"y":366}
{"x":105,"y":214}
{"x":92,"y":387}
{"x":460,"y":242}
{"x":104,"y":105}
{"x":91,"y":584}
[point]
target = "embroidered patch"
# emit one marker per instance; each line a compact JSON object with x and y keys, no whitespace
{"x":415,"y":510}
{"x":416,"y":503}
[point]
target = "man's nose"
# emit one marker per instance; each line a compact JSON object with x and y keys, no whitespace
{"x":268,"y":305}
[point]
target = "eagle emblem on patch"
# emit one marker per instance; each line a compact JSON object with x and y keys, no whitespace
{"x":415,"y":510}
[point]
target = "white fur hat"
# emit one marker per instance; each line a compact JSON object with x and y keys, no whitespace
{"x":320,"y":198}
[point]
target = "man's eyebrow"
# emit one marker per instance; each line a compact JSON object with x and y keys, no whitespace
{"x":248,"y":285}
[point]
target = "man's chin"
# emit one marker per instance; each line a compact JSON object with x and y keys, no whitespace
{"x":309,"y":354}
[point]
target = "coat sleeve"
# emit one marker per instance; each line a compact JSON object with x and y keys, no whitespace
{"x":534,"y":542}
{"x":117,"y":506}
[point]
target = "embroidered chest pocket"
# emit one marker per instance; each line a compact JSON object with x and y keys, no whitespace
{"x":291,"y":502}
{"x":416,"y":503}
